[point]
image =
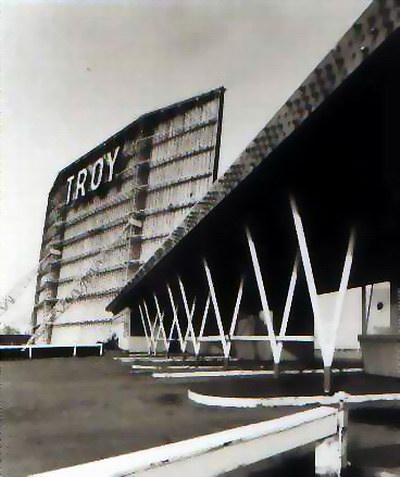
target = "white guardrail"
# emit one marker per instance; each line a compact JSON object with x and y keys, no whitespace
{"x":214,"y":454}
{"x":32,"y":347}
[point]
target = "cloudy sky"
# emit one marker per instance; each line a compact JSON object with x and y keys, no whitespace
{"x":75,"y":72}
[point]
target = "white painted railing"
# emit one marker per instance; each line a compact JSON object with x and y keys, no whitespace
{"x":224,"y":451}
{"x":31,"y":347}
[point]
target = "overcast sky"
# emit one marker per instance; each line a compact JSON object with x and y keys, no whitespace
{"x":75,"y":72}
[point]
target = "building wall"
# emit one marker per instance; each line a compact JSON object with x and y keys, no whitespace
{"x":109,"y":211}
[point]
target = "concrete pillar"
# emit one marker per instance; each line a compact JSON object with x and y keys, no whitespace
{"x":328,"y":460}
{"x":331,"y":453}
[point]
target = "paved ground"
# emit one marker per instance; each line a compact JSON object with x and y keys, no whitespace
{"x":59,"y":412}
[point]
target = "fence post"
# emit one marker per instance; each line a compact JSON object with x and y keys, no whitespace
{"x":331,"y":453}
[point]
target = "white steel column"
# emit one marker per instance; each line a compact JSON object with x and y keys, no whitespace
{"x":151,"y":326}
{"x":175,"y":322}
{"x":204,"y":319}
{"x":288,"y":304}
{"x":344,"y":282}
{"x":305,"y":258}
{"x":264,"y":301}
{"x":214,"y":301}
{"x":148,"y":341}
{"x":189,"y":314}
{"x":236,"y":312}
{"x":161,"y":321}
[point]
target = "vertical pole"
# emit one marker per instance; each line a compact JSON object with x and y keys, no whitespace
{"x":217,"y":312}
{"x":288,"y":303}
{"x":327,"y":379}
{"x":236,"y":309}
{"x":148,"y":342}
{"x":175,"y":321}
{"x":331,"y":453}
{"x":264,"y":301}
{"x":189,"y":315}
{"x":363,"y":310}
{"x":344,"y":282}
{"x":161,"y":320}
{"x":204,"y":318}
{"x":151,"y":326}
{"x":305,"y":258}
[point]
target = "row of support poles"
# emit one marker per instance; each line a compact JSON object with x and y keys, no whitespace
{"x":325,"y":328}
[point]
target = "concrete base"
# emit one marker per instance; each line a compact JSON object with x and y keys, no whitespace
{"x":381,"y":354}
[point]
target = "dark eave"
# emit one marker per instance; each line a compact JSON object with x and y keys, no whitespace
{"x":355,"y":52}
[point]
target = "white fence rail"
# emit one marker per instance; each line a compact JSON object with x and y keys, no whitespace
{"x":214,"y":454}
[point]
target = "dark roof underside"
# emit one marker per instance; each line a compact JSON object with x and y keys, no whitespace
{"x":333,"y":146}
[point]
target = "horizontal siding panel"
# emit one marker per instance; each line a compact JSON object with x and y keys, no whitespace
{"x":98,"y":220}
{"x":102,"y":240}
{"x":114,"y":257}
{"x":98,"y":283}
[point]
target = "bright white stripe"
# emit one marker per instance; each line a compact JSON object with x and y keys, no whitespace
{"x":244,"y":373}
{"x":239,"y":402}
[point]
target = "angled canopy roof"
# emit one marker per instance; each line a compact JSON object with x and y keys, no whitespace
{"x":371,"y":45}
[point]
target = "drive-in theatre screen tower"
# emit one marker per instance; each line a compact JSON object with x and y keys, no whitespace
{"x":110,"y":210}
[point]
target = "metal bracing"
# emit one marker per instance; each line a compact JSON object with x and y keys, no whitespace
{"x":146,"y":335}
{"x":306,"y":261}
{"x":152,"y":327}
{"x":344,"y":282}
{"x":267,"y":313}
{"x":236,"y":309}
{"x":175,"y":322}
{"x":203,"y":320}
{"x":288,"y":305}
{"x":161,"y":328}
{"x":221,"y":337}
{"x":327,"y":338}
{"x":192,"y":338}
{"x":190,"y":334}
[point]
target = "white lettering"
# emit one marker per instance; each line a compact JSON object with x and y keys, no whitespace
{"x":69,"y":181}
{"x":80,"y":183}
{"x":96,"y":175}
{"x":99,"y":164}
{"x":111,"y":162}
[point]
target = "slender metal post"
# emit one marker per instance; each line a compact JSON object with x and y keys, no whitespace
{"x":148,"y":339}
{"x":288,"y":303}
{"x":235,"y":313}
{"x":204,"y":318}
{"x":305,"y":258}
{"x":327,"y":379}
{"x":175,"y":321}
{"x":344,"y":282}
{"x":189,"y":315}
{"x":161,"y":320}
{"x":148,"y":342}
{"x":152,"y":327}
{"x":263,"y":296}
{"x":217,"y":312}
